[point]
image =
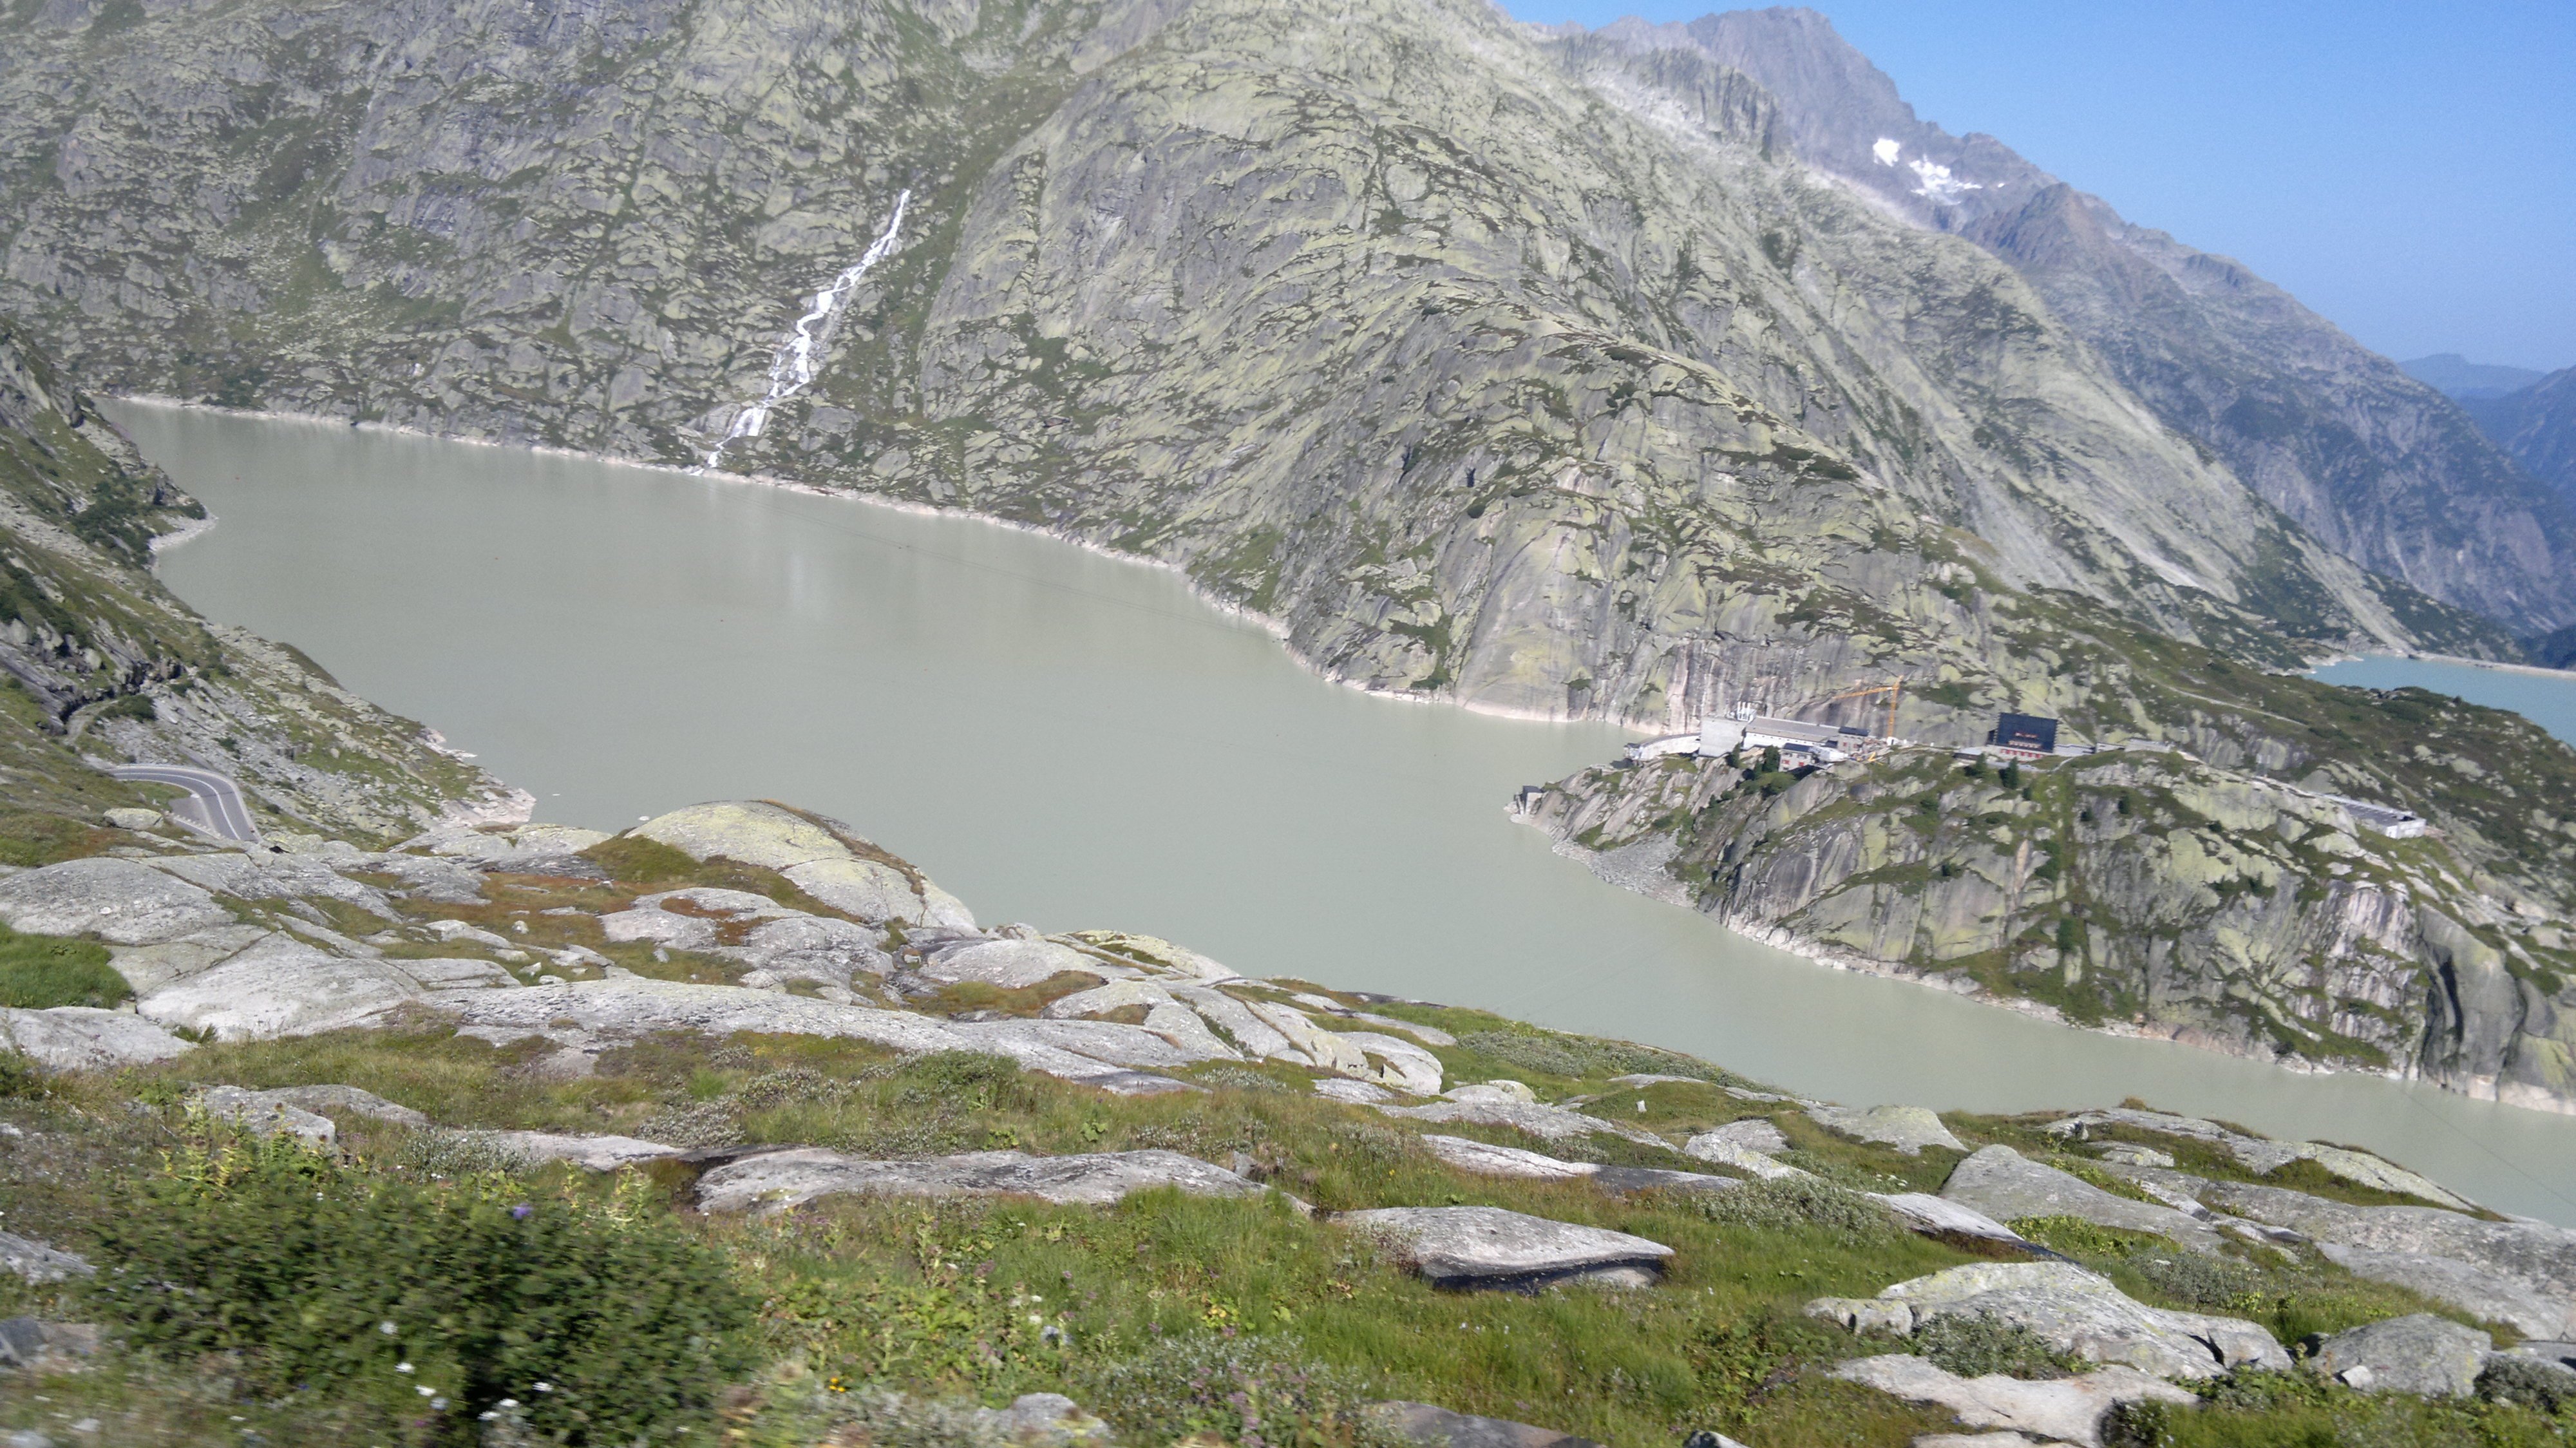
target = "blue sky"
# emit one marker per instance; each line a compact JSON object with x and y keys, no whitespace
{"x":2408,"y":170}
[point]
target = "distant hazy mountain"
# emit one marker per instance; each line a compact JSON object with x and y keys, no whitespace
{"x":2456,"y":376}
{"x":2537,"y":425}
{"x":2365,"y":457}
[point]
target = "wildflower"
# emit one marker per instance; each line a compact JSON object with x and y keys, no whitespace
{"x":402,"y":1367}
{"x":425,"y":1390}
{"x":437,"y":1405}
{"x":387,"y":1328}
{"x":545,"y":1387}
{"x":522,"y":1211}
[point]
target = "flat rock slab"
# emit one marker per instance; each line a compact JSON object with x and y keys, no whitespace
{"x":2007,"y":1186}
{"x":1431,"y":1427}
{"x":781,"y":1179}
{"x":2063,"y":1410}
{"x":2519,"y":1273}
{"x":281,"y":987}
{"x":32,"y":1260}
{"x":85,"y":1038}
{"x":2263,"y":1154}
{"x":264,"y":1115}
{"x":1488,"y":1247}
{"x":593,"y":1153}
{"x":1487,"y":1159}
{"x":1907,"y":1128}
{"x":823,"y":858}
{"x":1009,"y":964}
{"x":2076,"y":1311}
{"x":1548,"y":1123}
{"x":2417,"y":1353}
{"x":1935,"y":1217}
{"x":123,"y":902}
{"x":1726,"y":1148}
{"x":1103,"y":1054}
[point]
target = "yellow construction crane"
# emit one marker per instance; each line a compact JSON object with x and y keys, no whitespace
{"x":1892,"y":691}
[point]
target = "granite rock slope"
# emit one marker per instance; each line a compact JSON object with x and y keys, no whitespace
{"x":1551,"y":387}
{"x":2143,"y":890}
{"x":100,"y":661}
{"x":2376,"y":465}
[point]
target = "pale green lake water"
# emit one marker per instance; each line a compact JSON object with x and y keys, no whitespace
{"x":1077,"y":741}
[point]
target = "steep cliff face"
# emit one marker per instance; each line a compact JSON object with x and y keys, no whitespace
{"x":2143,"y":890}
{"x":1530,"y":373}
{"x":2537,"y":424}
{"x":101,"y":662}
{"x":2376,"y":465}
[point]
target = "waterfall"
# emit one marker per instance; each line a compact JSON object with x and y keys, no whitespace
{"x":792,"y":367}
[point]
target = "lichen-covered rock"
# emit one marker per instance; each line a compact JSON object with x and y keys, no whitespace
{"x":262,"y":1114}
{"x":1009,"y":964}
{"x":822,"y":857}
{"x":2417,"y":1353}
{"x":2257,"y":1153}
{"x":1907,"y":1128}
{"x":124,"y":902}
{"x":2521,"y":1273}
{"x":1425,"y":1426}
{"x":282,"y":987}
{"x":1488,"y":1247}
{"x":85,"y":1038}
{"x":780,"y":1179}
{"x":32,"y":1260}
{"x":2076,"y":1311}
{"x":2007,"y":1186}
{"x":2061,"y":1410}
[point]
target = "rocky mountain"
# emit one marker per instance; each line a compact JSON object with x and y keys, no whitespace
{"x":2144,"y":890}
{"x":2458,"y":378}
{"x":2537,"y":424}
{"x":1543,"y":374}
{"x":102,"y":664}
{"x":2364,"y":457}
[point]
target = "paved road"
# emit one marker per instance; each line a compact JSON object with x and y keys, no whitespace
{"x":218,"y":800}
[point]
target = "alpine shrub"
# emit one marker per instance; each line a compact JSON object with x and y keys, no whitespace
{"x":441,"y":1301}
{"x":1973,"y":1347}
{"x":1257,"y":1392}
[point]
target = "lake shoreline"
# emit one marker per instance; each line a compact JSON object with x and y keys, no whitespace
{"x":1269,"y":625}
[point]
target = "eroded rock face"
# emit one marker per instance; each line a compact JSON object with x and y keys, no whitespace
{"x":2418,"y":1353}
{"x":782,"y":1179}
{"x":2007,"y":1186}
{"x":2063,"y":1410}
{"x":2077,"y":1312}
{"x":1488,"y":1247}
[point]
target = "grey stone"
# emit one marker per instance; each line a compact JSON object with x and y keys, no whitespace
{"x":135,"y":819}
{"x":1505,"y":1090}
{"x":1430,"y":1427}
{"x":2417,"y":1353}
{"x":593,"y":1153}
{"x":2262,"y":1154}
{"x":2129,"y":1153}
{"x":1725,"y":1147}
{"x":1548,"y":1123}
{"x":662,"y":927}
{"x":1486,"y":1159}
{"x":30,"y":1259}
{"x":124,"y":902}
{"x":1907,"y":1128}
{"x":2076,"y":1311}
{"x":1936,"y":1217}
{"x":281,"y":987}
{"x":2005,"y":1185}
{"x":1357,"y":1093}
{"x":1009,"y":964}
{"x":86,"y":1038}
{"x":1398,"y":1063}
{"x":782,"y":1179}
{"x":1488,"y":1247}
{"x":1753,"y":1133}
{"x":21,"y":1338}
{"x":1042,"y":1420}
{"x":2064,"y":1410}
{"x":264,"y":1114}
{"x":2560,"y":1354}
{"x":2519,"y":1273}
{"x":822,"y":857}
{"x":270,"y":877}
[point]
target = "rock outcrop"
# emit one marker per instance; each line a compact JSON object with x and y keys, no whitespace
{"x":2419,"y":1353}
{"x":2060,"y":1410}
{"x":1492,"y":1249}
{"x":781,"y":1179}
{"x":2076,"y":1311}
{"x":2007,"y":1186}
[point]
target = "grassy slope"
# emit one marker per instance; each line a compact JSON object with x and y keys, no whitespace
{"x":936,"y":1298}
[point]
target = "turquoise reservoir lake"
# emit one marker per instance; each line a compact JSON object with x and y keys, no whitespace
{"x":1076,"y":741}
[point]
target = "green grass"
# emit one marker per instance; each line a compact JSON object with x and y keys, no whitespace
{"x":38,"y":972}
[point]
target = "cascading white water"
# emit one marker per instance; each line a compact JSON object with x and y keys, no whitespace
{"x":791,"y":370}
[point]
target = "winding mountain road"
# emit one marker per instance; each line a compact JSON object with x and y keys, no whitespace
{"x":218,"y":800}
